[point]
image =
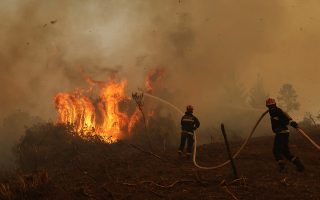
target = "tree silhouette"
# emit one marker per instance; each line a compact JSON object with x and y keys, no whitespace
{"x":235,"y":93}
{"x":288,"y":98}
{"x":257,"y":94}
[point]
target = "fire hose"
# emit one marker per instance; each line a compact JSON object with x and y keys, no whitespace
{"x":308,"y":138}
{"x":244,"y":144}
{"x":234,"y":156}
{"x":241,"y":147}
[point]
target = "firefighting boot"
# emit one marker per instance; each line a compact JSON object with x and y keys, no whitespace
{"x":282,"y":166}
{"x":299,"y":166}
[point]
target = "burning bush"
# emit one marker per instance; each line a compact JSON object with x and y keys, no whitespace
{"x":48,"y":146}
{"x":105,"y":111}
{"x":51,"y":146}
{"x":102,"y":117}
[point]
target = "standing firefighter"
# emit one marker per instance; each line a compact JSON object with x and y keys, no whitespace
{"x":189,"y":123}
{"x":280,"y":121}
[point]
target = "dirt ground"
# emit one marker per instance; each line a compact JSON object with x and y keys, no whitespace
{"x":125,"y":171}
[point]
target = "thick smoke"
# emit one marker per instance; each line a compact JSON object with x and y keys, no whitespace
{"x":202,"y":45}
{"x":208,"y":49}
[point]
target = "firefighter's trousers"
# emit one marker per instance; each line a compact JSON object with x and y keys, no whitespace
{"x":186,"y":137}
{"x":281,"y":147}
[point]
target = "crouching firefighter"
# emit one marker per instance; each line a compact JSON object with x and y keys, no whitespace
{"x":280,"y":121}
{"x":189,"y":123}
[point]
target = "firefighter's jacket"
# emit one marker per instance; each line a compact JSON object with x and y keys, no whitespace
{"x":189,"y":123}
{"x":279,"y":120}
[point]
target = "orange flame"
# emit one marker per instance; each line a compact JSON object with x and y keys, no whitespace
{"x":114,"y":120}
{"x":154,"y":77}
{"x":134,"y":119}
{"x":75,"y":109}
{"x":102,"y":118}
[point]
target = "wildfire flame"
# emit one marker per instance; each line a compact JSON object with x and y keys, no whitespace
{"x":154,"y":79}
{"x":102,"y":115}
{"x":75,"y":108}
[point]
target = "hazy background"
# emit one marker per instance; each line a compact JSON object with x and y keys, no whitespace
{"x":211,"y":50}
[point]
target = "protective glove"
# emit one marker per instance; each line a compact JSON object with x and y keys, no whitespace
{"x":294,"y":124}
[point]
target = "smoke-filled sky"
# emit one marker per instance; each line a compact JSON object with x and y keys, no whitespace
{"x":204,"y":45}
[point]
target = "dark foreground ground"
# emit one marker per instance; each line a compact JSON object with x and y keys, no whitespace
{"x":123,"y":171}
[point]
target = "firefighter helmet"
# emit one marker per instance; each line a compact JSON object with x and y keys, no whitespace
{"x":189,"y":108}
{"x":270,"y":102}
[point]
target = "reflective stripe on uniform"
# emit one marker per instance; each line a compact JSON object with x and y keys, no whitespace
{"x":285,"y":131}
{"x":187,"y":120}
{"x":187,"y":132}
{"x":275,"y":118}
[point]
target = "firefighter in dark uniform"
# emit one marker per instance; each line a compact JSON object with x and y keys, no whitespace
{"x":280,"y":121}
{"x":189,"y":123}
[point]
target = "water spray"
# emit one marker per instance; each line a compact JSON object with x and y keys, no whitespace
{"x":165,"y":102}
